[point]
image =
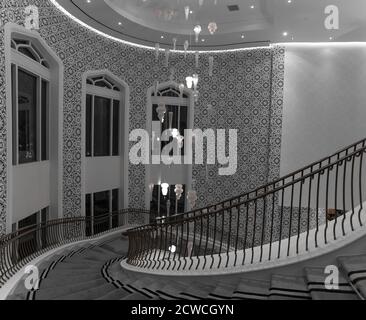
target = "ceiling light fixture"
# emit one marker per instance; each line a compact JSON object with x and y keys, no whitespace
{"x":212,"y":27}
{"x":187,"y":11}
{"x":197,"y":30}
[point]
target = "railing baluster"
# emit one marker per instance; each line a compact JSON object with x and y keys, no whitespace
{"x":336,"y":200}
{"x":246,"y":231}
{"x":281,"y":218}
{"x":237,"y":235}
{"x":228,"y":237}
{"x":309,"y":208}
{"x":214,"y":240}
{"x":344,"y":193}
{"x":360,"y":185}
{"x":291,"y":213}
{"x":327,"y":204}
{"x":317,"y":210}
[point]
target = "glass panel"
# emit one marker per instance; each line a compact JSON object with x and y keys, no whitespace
{"x":44,"y":219}
{"x":115,"y":208}
{"x":14,"y":114}
{"x":102,"y":126}
{"x":88,"y":214}
{"x":44,"y":119}
{"x":28,"y":243}
{"x":27,"y":117}
{"x":154,"y":205}
{"x":115,"y":197}
{"x":88,"y":145}
{"x":101,"y":208}
{"x":28,"y":52}
{"x":103,"y":84}
{"x":116,"y":118}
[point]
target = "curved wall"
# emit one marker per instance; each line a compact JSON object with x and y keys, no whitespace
{"x":246,"y":92}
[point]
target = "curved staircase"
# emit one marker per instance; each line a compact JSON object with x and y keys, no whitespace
{"x":276,"y":242}
{"x":93,"y":272}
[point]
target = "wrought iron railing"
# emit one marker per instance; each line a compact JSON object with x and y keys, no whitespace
{"x":19,"y":248}
{"x":279,"y":219}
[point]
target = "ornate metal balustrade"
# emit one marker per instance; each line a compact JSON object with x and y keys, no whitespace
{"x":287,"y":216}
{"x":19,"y":248}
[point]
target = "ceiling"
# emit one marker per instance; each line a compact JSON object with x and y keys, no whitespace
{"x":256,"y":22}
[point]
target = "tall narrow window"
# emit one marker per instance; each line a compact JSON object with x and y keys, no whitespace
{"x":176,"y":115}
{"x":102,"y":118}
{"x":102,"y":126}
{"x":44,"y":121}
{"x":116,"y":117}
{"x":30,"y":100}
{"x":97,"y":208}
{"x":160,"y":203}
{"x":27,"y":117}
{"x":89,"y":118}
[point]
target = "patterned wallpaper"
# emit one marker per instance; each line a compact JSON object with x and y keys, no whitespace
{"x":245,"y":93}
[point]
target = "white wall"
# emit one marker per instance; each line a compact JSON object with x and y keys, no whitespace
{"x":324,"y":102}
{"x":31,"y":189}
{"x":102,"y":174}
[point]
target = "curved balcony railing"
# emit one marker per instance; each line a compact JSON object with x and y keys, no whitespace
{"x":19,"y":248}
{"x":292,"y":214}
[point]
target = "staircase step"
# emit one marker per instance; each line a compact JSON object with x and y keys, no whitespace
{"x":197,"y":290}
{"x":72,"y":279}
{"x":316,"y":284}
{"x":116,"y":294}
{"x":224,"y":290}
{"x":79,"y":267}
{"x":136,"y":296}
{"x":251,"y":289}
{"x":63,"y":290}
{"x":289,"y":288}
{"x":89,"y":294}
{"x":354,"y":268}
{"x":172,"y":290}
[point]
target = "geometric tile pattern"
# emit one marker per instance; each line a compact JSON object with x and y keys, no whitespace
{"x":245,"y":93}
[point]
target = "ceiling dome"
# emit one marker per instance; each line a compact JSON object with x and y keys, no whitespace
{"x":240,"y":23}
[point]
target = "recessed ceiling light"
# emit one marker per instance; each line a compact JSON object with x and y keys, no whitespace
{"x":252,"y":7}
{"x":88,"y":1}
{"x":289,"y":1}
{"x":285,"y":34}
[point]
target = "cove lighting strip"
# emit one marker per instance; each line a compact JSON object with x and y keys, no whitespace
{"x":322,"y":44}
{"x":287,"y":44}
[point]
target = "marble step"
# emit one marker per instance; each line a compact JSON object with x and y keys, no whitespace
{"x":116,"y":294}
{"x":251,"y":289}
{"x":88,"y":294}
{"x":316,"y":277}
{"x":354,"y":268}
{"x":63,"y":290}
{"x":289,"y":288}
